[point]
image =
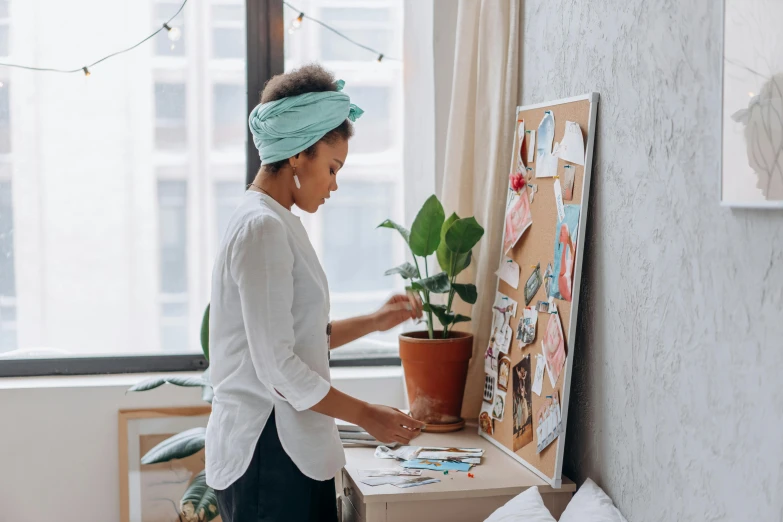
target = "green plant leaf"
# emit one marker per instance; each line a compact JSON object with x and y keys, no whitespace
{"x":444,"y":255}
{"x":406,"y":270}
{"x":404,"y":232}
{"x":199,"y":502}
{"x":154,"y":382}
{"x":179,"y":446}
{"x":459,"y":318}
{"x":444,"y":317}
{"x":467,"y":293}
{"x":463,"y":235}
{"x":437,"y":284}
{"x":205,"y":333}
{"x":425,"y":231}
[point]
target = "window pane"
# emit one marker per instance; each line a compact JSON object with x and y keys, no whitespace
{"x":370,"y":27}
{"x":373,"y":132}
{"x":4,"y":40}
{"x":228,"y":43}
{"x":113,"y":230}
{"x":354,"y":250}
{"x":229,"y":115}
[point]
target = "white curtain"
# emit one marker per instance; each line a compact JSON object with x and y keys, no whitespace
{"x":478,"y":151}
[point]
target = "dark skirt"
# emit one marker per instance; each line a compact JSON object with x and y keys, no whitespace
{"x":274,"y":490}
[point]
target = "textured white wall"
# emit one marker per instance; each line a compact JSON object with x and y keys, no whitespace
{"x":677,"y":407}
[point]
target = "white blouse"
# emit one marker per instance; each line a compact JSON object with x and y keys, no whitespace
{"x":268,"y":345}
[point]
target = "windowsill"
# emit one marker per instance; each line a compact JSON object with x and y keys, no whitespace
{"x":342,"y":374}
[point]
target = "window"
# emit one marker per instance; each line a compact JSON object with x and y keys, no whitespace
{"x":7,"y":272}
{"x":354,"y":253}
{"x":170,"y":116}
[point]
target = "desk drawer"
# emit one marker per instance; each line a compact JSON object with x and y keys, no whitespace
{"x":353,"y":496}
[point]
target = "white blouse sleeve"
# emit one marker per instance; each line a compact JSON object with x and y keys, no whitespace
{"x":262,"y":265}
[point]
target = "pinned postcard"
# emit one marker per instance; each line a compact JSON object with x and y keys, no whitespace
{"x":553,"y":348}
{"x":543,"y":307}
{"x":552,"y":305}
{"x":548,"y":277}
{"x":509,"y":272}
{"x":503,"y":310}
{"x":505,"y":338}
{"x":565,"y":253}
{"x":538,"y":380}
{"x":559,"y":200}
{"x":521,"y":152}
{"x":486,"y":422}
{"x":569,"y":173}
{"x":545,"y":159}
{"x":518,"y":219}
{"x":491,"y":356}
{"x":504,"y":370}
{"x":499,"y":405}
{"x":533,"y":190}
{"x":531,"y":145}
{"x":523,"y":404}
{"x":549,"y":422}
{"x":533,"y":284}
{"x":489,"y":387}
{"x":526,"y":331}
{"x":572,"y":148}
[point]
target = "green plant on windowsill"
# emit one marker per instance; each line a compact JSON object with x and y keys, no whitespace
{"x":452,"y":240}
{"x":199,"y":503}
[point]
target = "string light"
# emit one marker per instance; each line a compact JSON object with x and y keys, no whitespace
{"x":302,"y":15}
{"x":174,"y":34}
{"x":296,"y":23}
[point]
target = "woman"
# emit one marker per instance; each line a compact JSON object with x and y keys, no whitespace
{"x":272,"y":446}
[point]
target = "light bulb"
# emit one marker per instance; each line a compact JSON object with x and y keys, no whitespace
{"x":296,"y":23}
{"x":750,"y":94}
{"x":1,"y":85}
{"x":86,"y":71}
{"x":175,"y":34}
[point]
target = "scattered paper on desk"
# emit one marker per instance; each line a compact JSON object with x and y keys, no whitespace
{"x":436,"y":465}
{"x":389,"y":472}
{"x":572,"y":148}
{"x":531,"y":145}
{"x":559,"y":200}
{"x":509,"y":272}
{"x":401,"y":453}
{"x":538,"y":380}
{"x":443,"y":453}
{"x":417,"y":481}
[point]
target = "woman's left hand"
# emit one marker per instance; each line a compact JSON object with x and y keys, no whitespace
{"x":398,"y":309}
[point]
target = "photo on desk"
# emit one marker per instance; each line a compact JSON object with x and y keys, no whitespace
{"x":153,"y":493}
{"x":523,"y":404}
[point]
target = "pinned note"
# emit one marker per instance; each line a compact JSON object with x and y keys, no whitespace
{"x":559,"y":200}
{"x":531,"y":145}
{"x":569,"y":173}
{"x":572,"y":148}
{"x":509,"y":272}
{"x":538,"y":380}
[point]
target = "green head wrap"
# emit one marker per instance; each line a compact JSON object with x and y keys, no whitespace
{"x":285,"y":127}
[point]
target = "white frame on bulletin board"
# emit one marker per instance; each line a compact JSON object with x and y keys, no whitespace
{"x":556,"y":480}
{"x":762,"y":204}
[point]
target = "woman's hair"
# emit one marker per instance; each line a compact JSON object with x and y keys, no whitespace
{"x":309,"y":78}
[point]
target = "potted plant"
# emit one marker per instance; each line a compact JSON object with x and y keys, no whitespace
{"x":436,"y":360}
{"x":199,"y":502}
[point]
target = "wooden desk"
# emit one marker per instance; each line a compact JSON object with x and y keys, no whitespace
{"x":455,"y":498}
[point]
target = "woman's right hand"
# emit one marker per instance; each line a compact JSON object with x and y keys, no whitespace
{"x":390,"y":425}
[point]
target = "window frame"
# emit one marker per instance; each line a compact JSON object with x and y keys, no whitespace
{"x":265,"y":31}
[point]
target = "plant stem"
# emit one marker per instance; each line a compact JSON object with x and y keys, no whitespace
{"x":425,"y":295}
{"x":451,"y":292}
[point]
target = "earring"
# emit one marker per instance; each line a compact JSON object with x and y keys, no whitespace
{"x":296,"y":180}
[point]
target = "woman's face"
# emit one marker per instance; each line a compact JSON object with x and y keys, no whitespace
{"x":318,"y":174}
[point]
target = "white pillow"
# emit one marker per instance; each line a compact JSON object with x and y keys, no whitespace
{"x":591,"y":504}
{"x":528,"y":506}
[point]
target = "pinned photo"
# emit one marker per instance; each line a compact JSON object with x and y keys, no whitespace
{"x":533,"y":284}
{"x":489,"y":387}
{"x":569,"y":173}
{"x":565,"y":253}
{"x":553,"y":347}
{"x":504,"y":370}
{"x":549,"y":422}
{"x":526,"y":331}
{"x":523,"y":404}
{"x":491,"y":356}
{"x":518,"y":219}
{"x":543,"y":307}
{"x":503,"y":310}
{"x":485,"y":420}
{"x":548,"y":278}
{"x":498,"y":405}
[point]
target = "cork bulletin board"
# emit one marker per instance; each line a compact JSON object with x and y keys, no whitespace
{"x":527,"y":425}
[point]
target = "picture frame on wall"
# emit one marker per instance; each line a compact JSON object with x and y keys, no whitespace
{"x":752,"y":120}
{"x":152,"y":493}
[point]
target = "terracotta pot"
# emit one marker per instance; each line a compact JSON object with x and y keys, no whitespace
{"x":435,"y":373}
